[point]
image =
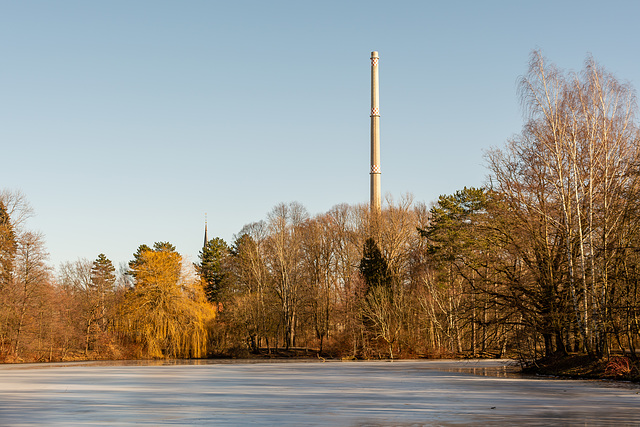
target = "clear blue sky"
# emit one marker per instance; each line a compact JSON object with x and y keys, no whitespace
{"x":123,"y":122}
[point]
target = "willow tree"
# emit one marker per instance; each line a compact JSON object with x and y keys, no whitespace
{"x":166,"y":311}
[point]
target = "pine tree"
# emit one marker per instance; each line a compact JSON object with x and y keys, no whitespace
{"x":99,"y":298}
{"x":136,"y":262}
{"x":373,"y":266}
{"x":103,"y":275}
{"x":211,"y":267}
{"x":8,"y":246}
{"x":164,"y":246}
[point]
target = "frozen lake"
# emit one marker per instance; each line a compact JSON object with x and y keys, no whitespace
{"x":304,"y":393}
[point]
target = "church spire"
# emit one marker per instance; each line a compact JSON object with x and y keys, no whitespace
{"x":205,"y":231}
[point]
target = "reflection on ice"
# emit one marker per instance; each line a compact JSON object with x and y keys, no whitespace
{"x":303,"y":393}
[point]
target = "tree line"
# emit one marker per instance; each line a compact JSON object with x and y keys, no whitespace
{"x":541,"y":260}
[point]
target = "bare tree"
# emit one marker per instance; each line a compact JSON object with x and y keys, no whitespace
{"x":320,"y":272}
{"x":32,"y":278}
{"x":567,"y":179}
{"x":250,"y":302}
{"x":17,"y":207}
{"x":283,"y":259}
{"x":75,"y":279}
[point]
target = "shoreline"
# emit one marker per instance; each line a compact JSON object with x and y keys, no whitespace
{"x":583,"y":367}
{"x":576,"y":367}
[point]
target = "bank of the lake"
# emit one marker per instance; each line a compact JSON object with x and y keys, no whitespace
{"x":581,"y":366}
{"x":571,"y":366}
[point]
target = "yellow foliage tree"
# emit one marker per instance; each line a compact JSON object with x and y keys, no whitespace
{"x":167,"y":311}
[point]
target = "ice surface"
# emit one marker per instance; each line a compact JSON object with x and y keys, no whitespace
{"x":303,"y":393}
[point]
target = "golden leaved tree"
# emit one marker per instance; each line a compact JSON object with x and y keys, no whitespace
{"x":166,"y":311}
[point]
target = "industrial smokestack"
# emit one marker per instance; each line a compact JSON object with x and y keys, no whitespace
{"x":375,"y":136}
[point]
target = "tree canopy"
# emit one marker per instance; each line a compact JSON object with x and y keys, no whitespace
{"x":211,"y":267}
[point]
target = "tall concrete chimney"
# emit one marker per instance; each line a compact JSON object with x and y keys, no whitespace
{"x":375,"y":137}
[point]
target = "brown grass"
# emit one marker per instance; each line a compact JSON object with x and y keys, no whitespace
{"x":584,"y":366}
